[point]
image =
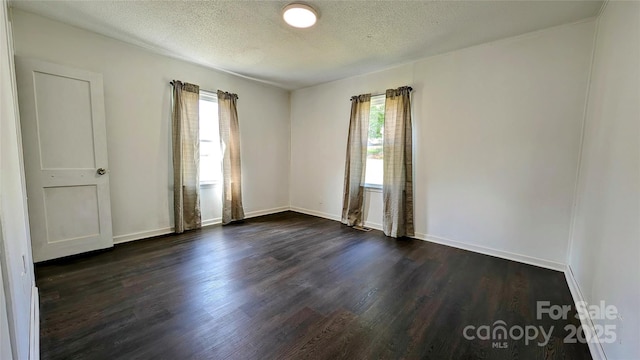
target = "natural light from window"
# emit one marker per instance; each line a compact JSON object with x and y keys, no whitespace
{"x":210,"y":166}
{"x":374,"y":168}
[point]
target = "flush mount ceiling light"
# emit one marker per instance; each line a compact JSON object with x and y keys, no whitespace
{"x":299,"y":15}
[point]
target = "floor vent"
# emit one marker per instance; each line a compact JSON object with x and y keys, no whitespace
{"x":362,"y":228}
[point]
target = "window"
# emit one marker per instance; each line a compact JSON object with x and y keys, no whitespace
{"x":374,"y":168}
{"x":210,"y":157}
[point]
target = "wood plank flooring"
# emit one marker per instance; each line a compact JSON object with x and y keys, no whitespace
{"x":292,"y":286}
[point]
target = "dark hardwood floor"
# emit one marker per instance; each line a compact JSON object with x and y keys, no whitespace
{"x":292,"y":286}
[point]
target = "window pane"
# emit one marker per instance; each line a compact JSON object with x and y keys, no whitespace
{"x":208,"y":119}
{"x":374,"y":170}
{"x":210,"y":157}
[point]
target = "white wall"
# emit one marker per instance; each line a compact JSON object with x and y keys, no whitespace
{"x":15,"y":247}
{"x":497,"y":131}
{"x":497,"y":135}
{"x":137,"y":101}
{"x":605,"y":246}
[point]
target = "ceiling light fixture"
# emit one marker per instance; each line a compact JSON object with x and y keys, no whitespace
{"x":299,"y":15}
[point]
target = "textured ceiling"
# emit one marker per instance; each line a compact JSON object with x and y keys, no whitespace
{"x":249,"y":38}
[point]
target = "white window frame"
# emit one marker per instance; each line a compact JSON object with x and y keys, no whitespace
{"x":375,"y":100}
{"x":213,"y":97}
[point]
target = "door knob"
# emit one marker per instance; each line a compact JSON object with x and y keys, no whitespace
{"x":102,"y":171}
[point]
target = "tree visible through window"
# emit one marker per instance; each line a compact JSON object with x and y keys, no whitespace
{"x":210,"y":157}
{"x":374,"y":169}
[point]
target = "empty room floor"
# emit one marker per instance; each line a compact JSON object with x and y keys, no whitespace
{"x":290,"y":286}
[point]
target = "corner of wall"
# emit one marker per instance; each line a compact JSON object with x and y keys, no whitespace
{"x":595,"y":347}
{"x":585,"y":111}
{"x":289,"y":192}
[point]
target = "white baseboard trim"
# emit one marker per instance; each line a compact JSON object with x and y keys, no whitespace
{"x":141,"y":235}
{"x":372,"y":225}
{"x":256,"y":213}
{"x":597,"y":352}
{"x":457,"y":244}
{"x":248,"y":215}
{"x":368,"y":224}
{"x":530,"y":260}
{"x":315,"y":213}
{"x":34,"y":328}
{"x":208,"y":222}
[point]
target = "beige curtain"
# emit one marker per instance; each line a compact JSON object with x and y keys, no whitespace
{"x":186,"y":156}
{"x":230,"y":144}
{"x":397,"y":184}
{"x":354,"y":172}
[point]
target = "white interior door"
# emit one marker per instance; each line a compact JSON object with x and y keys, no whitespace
{"x":65,"y":156}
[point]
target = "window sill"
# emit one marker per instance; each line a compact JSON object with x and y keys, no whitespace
{"x":373,"y":188}
{"x":209,"y":184}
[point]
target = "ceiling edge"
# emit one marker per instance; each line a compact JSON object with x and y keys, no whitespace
{"x":467,"y":48}
{"x":162,"y":51}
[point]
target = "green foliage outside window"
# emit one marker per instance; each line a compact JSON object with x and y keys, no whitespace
{"x":376,"y":127}
{"x":376,"y":122}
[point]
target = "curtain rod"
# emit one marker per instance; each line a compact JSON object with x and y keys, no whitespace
{"x":385,"y":93}
{"x":205,"y":90}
